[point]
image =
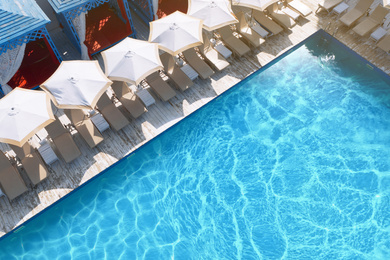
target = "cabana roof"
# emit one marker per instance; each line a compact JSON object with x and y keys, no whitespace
{"x":19,"y":18}
{"x":60,"y":6}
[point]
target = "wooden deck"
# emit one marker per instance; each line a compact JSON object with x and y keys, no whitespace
{"x":66,"y":177}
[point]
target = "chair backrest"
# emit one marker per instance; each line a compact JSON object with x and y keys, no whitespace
{"x":190,"y":54}
{"x":76,"y":116}
{"x":379,"y":14}
{"x":23,"y":151}
{"x":4,"y":162}
{"x":168,"y":62}
{"x":363,"y":5}
{"x":120,"y":88}
{"x":154,"y":76}
{"x":272,"y":8}
{"x":225,"y":32}
{"x":242,"y":20}
{"x":206,"y":46}
{"x":104,"y":101}
{"x":55,"y":129}
{"x":259,"y":16}
{"x":10,"y":180}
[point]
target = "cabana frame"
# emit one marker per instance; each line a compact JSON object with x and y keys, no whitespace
{"x":21,"y":26}
{"x":68,"y":10}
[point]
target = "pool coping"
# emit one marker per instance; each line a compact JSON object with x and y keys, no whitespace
{"x":281,"y":56}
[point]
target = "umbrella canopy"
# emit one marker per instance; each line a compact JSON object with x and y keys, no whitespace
{"x":131,"y":60}
{"x":255,"y":4}
{"x":176,"y":32}
{"x":215,"y":13}
{"x":77,"y":84}
{"x":23,"y":112}
{"x":386,"y":3}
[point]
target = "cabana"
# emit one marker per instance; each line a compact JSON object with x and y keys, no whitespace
{"x":150,"y":10}
{"x":94,"y":25}
{"x":27,"y":54}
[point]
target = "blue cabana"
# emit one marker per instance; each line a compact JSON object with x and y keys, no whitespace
{"x":106,"y":22}
{"x":22,"y":28}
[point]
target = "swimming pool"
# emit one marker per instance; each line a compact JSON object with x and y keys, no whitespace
{"x":293,"y":162}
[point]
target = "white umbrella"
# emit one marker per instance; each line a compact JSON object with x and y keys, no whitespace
{"x":77,"y":84}
{"x":131,"y":60}
{"x":255,"y":4}
{"x":23,"y":112}
{"x":176,"y":32}
{"x":214,"y":13}
{"x":386,"y":3}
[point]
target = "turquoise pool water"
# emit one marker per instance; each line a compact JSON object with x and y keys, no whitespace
{"x":292,"y":163}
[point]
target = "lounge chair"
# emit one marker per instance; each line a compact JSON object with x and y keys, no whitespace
{"x":111,"y":113}
{"x":291,"y":13}
{"x":384,"y":44}
{"x":84,"y":126}
{"x":328,"y":5}
{"x":181,"y":80}
{"x":232,"y":42}
{"x":247,"y":32}
{"x":280,"y":17}
{"x":300,"y":7}
{"x":266,"y":22}
{"x":32,"y":163}
{"x":63,"y":141}
{"x":212,"y":55}
{"x":199,"y":65}
{"x":162,"y":89}
{"x":11,"y":182}
{"x":370,"y":23}
{"x":353,"y":15}
{"x":129,"y":100}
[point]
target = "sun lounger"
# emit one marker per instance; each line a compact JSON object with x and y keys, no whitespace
{"x":181,"y":80}
{"x":232,"y":42}
{"x":328,"y":5}
{"x":63,"y":141}
{"x":266,"y":22}
{"x":300,"y":7}
{"x":84,"y":126}
{"x":370,"y":23}
{"x":214,"y":58}
{"x":162,"y":89}
{"x":11,"y":182}
{"x":290,"y":12}
{"x":384,"y":44}
{"x":248,"y":33}
{"x":281,"y":18}
{"x":199,"y":65}
{"x":131,"y":102}
{"x":32,"y":163}
{"x":353,"y":15}
{"x":111,"y":113}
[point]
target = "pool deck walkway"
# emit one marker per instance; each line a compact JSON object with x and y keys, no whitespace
{"x":66,"y":177}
